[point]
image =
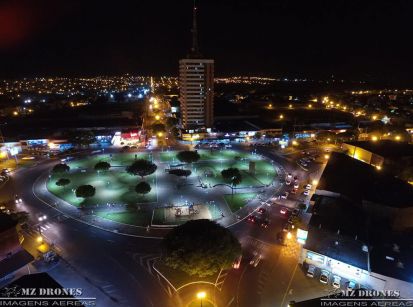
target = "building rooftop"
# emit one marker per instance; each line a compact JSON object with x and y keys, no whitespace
{"x":386,"y":148}
{"x":15,"y":262}
{"x":340,"y":230}
{"x":337,"y":230}
{"x":363,"y":182}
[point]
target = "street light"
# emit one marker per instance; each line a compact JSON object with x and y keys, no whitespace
{"x":157,"y":117}
{"x":374,"y":138}
{"x":39,"y":239}
{"x":397,"y":138}
{"x":326,"y":157}
{"x":281,"y":116}
{"x":201,"y":295}
{"x":314,"y":182}
{"x":289,"y":235}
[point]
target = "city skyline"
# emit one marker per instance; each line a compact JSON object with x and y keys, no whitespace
{"x":268,"y":38}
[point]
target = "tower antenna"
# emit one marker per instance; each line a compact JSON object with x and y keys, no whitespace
{"x":194,"y":30}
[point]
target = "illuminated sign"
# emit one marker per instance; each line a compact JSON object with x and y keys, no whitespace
{"x":14,"y":151}
{"x":301,"y":236}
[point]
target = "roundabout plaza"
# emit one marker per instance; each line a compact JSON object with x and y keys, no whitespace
{"x":178,"y":191}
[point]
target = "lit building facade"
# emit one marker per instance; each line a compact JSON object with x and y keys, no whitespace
{"x":196,"y":86}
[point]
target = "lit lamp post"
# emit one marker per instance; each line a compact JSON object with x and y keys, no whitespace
{"x":201,"y":295}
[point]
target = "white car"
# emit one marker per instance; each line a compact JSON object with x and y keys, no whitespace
{"x":336,"y":282}
{"x":311,"y":271}
{"x":308,"y":186}
{"x":285,"y":195}
{"x":325,"y":275}
{"x":296,"y":185}
{"x":289,"y":176}
{"x":17,"y":200}
{"x":306,"y":192}
{"x":288,"y":182}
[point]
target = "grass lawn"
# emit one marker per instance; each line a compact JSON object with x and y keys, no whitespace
{"x":140,"y":218}
{"x":179,"y":278}
{"x":170,"y":156}
{"x":113,"y":186}
{"x":118,"y":159}
{"x":237,"y":201}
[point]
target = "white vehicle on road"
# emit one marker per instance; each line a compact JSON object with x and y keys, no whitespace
{"x":285,"y":195}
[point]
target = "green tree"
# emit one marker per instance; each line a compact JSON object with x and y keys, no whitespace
{"x":233,"y":175}
{"x":62,"y":182}
{"x":143,"y":188}
{"x":20,"y":217}
{"x":188,"y":156}
{"x":200,"y":248}
{"x":85,"y":191}
{"x":102,"y":166}
{"x":60,"y":168}
{"x":142,"y":168}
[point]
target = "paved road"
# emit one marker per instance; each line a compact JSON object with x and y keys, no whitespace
{"x":112,"y":267}
{"x":116,"y":268}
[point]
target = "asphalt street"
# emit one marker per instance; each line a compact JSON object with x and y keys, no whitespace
{"x":117,"y":269}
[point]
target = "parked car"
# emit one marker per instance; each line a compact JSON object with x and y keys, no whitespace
{"x":285,"y":195}
{"x":336,"y":283}
{"x":287,"y":227}
{"x":261,"y":210}
{"x":306,"y":192}
{"x":308,"y":186}
{"x":237,"y":262}
{"x":325,"y":275}
{"x":296,"y":185}
{"x":289,"y":176}
{"x":264,"y":223}
{"x":252,"y":219}
{"x":311,"y":271}
{"x":17,"y":199}
{"x":295,"y":212}
{"x":288,"y":182}
{"x":294,"y":191}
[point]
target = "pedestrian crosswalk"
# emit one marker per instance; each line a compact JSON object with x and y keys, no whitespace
{"x":221,"y":279}
{"x":146,"y":261}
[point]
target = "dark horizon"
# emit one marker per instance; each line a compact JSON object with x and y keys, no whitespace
{"x":345,"y":39}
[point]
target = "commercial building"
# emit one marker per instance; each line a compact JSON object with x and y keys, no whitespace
{"x":196,"y":86}
{"x":361,"y":225}
{"x":393,"y":157}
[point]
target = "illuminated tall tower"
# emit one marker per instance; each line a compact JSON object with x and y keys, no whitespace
{"x":196,"y":85}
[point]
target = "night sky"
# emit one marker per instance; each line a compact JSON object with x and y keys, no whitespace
{"x":363,"y":40}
